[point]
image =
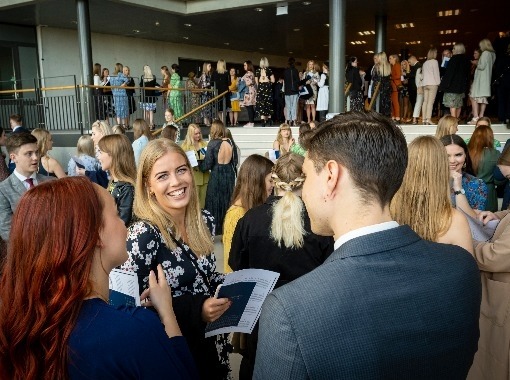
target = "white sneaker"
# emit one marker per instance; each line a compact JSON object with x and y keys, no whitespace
{"x":248,"y":125}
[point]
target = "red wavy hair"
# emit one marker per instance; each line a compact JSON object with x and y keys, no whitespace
{"x":482,"y":137}
{"x":53,"y":237}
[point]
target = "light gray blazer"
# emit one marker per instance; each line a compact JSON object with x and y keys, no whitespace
{"x":11,"y":190}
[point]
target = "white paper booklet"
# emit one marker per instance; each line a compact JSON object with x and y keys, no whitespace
{"x":247,"y":289}
{"x":479,"y":231}
{"x":192,"y":158}
{"x":124,"y":288}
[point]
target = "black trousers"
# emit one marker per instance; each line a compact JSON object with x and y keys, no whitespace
{"x":251,"y":113}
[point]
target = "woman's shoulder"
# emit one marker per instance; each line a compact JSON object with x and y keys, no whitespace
{"x":209,"y":221}
{"x":143,"y":228}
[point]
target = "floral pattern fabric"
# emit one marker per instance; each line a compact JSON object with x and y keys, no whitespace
{"x":476,"y":192}
{"x":146,"y":249}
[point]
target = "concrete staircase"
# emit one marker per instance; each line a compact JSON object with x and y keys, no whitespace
{"x":259,"y":140}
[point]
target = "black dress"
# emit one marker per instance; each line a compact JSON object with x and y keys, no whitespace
{"x":264,"y":106}
{"x":384,"y":94}
{"x":252,"y":247}
{"x":222,"y":82}
{"x":221,"y":182}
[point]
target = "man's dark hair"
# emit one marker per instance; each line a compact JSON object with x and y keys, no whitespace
{"x":16,"y":117}
{"x":291,"y":61}
{"x":16,"y":140}
{"x":369,"y":145}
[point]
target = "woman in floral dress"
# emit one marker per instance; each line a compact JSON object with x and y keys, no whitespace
{"x":174,"y":232}
{"x":205,"y":83}
{"x":311,"y":77}
{"x":175,"y":97}
{"x":264,"y":78}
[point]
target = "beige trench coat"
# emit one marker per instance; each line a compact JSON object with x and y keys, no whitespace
{"x":492,"y":361}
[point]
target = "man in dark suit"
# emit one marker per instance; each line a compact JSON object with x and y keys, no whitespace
{"x":16,"y":121}
{"x":386,"y":304}
{"x":22,"y":149}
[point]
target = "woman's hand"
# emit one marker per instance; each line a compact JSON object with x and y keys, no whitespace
{"x":159,"y":292}
{"x":457,"y":180}
{"x":80,"y":171}
{"x":213,"y":308}
{"x":485,"y":216}
{"x":161,"y":299}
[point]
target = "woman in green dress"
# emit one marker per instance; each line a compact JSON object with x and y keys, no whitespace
{"x":484,"y":159}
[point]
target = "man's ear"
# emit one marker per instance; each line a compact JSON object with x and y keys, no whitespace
{"x":13,"y":157}
{"x":333,"y":173}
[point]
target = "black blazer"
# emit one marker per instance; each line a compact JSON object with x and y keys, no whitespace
{"x":456,"y":77}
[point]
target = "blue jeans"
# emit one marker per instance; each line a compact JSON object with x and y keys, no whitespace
{"x":291,"y":104}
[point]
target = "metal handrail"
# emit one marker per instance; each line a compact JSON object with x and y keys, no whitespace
{"x":347,"y":88}
{"x":57,"y":88}
{"x":375,"y":94}
{"x":158,"y":131}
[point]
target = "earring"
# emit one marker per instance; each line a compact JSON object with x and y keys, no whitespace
{"x":151,"y":193}
{"x":464,"y":166}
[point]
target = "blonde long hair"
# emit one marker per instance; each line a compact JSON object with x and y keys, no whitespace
{"x":42,"y":136}
{"x":147,"y":208}
{"x":189,"y":143}
{"x":287,"y":225}
{"x":446,"y":126}
{"x":384,"y":67}
{"x":423,"y":200}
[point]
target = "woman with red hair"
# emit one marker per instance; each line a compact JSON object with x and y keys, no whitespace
{"x":484,"y":159}
{"x":55,"y":320}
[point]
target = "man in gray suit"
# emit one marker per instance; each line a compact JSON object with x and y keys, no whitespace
{"x":22,"y":149}
{"x":386,"y":304}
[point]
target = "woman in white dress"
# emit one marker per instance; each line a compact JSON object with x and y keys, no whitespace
{"x":323,"y":96}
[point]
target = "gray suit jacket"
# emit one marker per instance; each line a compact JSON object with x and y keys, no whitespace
{"x":387,"y":305}
{"x":11,"y":190}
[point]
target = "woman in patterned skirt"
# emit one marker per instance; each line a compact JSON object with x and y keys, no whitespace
{"x":264,"y":78}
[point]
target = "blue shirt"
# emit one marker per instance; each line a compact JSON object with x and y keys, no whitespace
{"x":125,"y":343}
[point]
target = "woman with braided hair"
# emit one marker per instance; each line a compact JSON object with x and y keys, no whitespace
{"x":277,"y":236}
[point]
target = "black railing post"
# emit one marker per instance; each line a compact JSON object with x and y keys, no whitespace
{"x":39,"y":104}
{"x":77,"y":96}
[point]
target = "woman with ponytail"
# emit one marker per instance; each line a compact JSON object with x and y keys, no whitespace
{"x":277,"y":236}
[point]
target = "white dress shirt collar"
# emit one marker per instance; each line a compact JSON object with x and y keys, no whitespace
{"x":364,"y":231}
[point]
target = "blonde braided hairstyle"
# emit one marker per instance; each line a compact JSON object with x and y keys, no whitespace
{"x":287,"y":225}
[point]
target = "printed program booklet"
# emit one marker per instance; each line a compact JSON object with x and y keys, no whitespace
{"x":124,"y":288}
{"x":247,"y":289}
{"x":479,"y":231}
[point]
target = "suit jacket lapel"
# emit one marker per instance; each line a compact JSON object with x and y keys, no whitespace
{"x":17,"y":185}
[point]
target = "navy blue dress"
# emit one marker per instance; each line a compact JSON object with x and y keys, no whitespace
{"x":125,"y":343}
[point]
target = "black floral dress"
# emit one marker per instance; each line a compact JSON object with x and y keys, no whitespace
{"x":205,"y":83}
{"x":264,"y":106}
{"x":384,"y":94}
{"x":147,"y":249}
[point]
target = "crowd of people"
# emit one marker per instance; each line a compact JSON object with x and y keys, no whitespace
{"x":410,"y":91}
{"x":371,"y":237}
{"x":400,"y":87}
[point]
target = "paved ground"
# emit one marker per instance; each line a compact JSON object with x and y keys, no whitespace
{"x":235,"y":359}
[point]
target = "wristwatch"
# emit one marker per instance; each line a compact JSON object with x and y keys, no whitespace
{"x":461,"y":191}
